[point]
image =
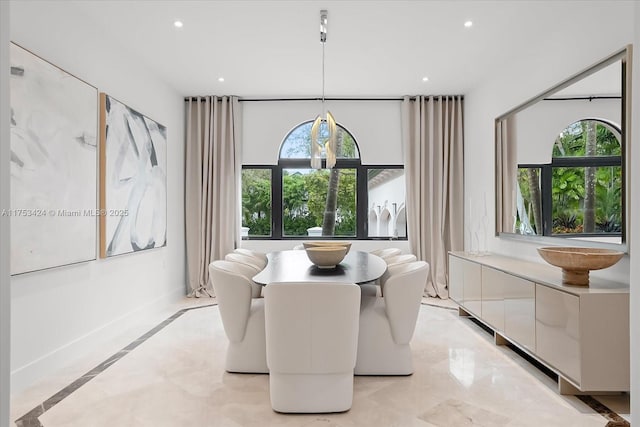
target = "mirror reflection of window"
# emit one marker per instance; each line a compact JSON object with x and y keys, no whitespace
{"x":587,"y":186}
{"x":529,"y":201}
{"x":580,"y":193}
{"x":560,"y":158}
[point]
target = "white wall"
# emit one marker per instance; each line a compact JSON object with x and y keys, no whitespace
{"x":376,"y":126}
{"x":384,"y":196}
{"x":59,"y":314}
{"x":5,"y":289}
{"x":635,"y":230}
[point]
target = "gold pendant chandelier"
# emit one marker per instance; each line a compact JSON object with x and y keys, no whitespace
{"x":329,"y":144}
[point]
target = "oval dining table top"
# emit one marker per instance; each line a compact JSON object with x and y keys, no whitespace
{"x":294,"y":266}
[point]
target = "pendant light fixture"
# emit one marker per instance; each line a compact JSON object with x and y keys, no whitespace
{"x":329,"y":143}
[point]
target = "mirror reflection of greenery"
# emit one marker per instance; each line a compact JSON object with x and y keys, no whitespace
{"x":573,"y":189}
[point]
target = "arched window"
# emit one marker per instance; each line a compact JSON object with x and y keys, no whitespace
{"x":306,"y":202}
{"x":580,"y":191}
{"x":318,"y":198}
{"x":297,"y":144}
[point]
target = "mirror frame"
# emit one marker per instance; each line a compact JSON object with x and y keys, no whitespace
{"x":625,"y":56}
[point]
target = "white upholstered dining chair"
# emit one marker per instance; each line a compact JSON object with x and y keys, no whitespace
{"x":311,"y":337}
{"x":400,"y":259}
{"x":386,"y":252}
{"x":392,"y":263}
{"x":242,"y":318}
{"x":259,"y":257}
{"x":247,"y":271}
{"x":245,"y":259}
{"x":387,"y":323}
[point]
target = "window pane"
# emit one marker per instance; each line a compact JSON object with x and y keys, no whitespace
{"x":297,"y":145}
{"x":256,"y":202}
{"x":528,"y":202}
{"x":386,"y":212}
{"x":306,"y":197}
{"x":587,"y":200}
{"x":588,"y":138}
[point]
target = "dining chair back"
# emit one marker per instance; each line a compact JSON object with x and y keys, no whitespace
{"x":387,"y":322}
{"x":392,"y":262}
{"x":259,"y":257}
{"x":242,"y":318}
{"x":247,"y":271}
{"x":386,"y":252}
{"x":244,"y":259}
{"x":311,"y":336}
{"x":400,"y":259}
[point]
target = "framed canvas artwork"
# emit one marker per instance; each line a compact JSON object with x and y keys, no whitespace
{"x":133,"y":185}
{"x":54,"y":124}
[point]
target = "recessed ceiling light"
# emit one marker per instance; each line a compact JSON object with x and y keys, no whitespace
{"x":221,"y":79}
{"x":178,"y":24}
{"x":468,"y":24}
{"x":425,"y":79}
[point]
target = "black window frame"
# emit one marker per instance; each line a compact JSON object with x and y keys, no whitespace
{"x":362,"y":198}
{"x":362,"y":192}
{"x":546,"y":185}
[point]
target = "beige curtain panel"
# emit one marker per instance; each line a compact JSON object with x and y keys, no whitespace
{"x":212,"y":185}
{"x":433,"y":152}
{"x":506,"y":179}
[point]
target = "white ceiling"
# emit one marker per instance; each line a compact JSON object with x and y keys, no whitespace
{"x":374,"y":48}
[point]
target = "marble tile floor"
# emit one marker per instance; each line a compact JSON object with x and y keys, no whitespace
{"x":175,"y":378}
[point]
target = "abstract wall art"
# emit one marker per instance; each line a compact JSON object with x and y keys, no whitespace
{"x":133,"y":184}
{"x":54,"y":123}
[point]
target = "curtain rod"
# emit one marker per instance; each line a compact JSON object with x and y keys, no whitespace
{"x":316,"y":99}
{"x":578,"y":98}
{"x":194,"y":98}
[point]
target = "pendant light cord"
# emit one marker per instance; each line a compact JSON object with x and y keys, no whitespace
{"x":323,"y":109}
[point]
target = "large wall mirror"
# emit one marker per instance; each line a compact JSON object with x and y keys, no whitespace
{"x":560,"y":160}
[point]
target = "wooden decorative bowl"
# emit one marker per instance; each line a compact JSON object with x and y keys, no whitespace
{"x":324,"y":244}
{"x":326,"y":256}
{"x":577,"y":262}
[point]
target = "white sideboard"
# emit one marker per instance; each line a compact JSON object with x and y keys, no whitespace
{"x":581,"y":333}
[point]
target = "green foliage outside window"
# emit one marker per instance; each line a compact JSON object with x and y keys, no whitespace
{"x":256,"y":201}
{"x":304,"y":194}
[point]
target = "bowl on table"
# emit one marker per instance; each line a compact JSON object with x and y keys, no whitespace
{"x":326,"y":256}
{"x":320,"y":244}
{"x":577,"y":262}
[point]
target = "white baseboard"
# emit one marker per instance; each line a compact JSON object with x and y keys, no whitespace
{"x":135,"y":323}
